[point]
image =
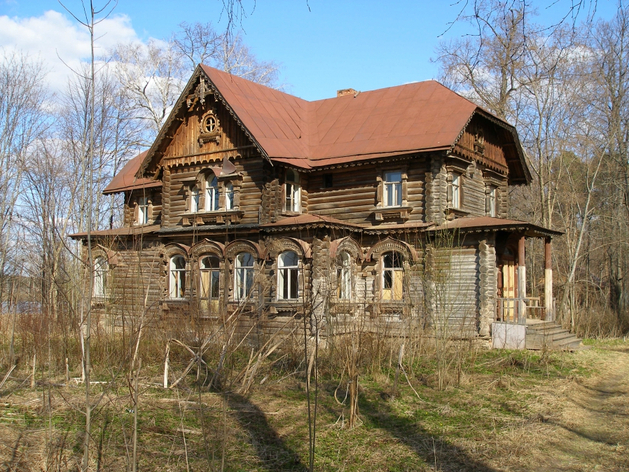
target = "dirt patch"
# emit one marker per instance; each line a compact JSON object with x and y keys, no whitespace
{"x":583,"y":422}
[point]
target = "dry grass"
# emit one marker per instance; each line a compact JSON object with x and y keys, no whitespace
{"x":500,"y":410}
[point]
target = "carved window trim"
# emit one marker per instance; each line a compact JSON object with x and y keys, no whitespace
{"x":386,"y":208}
{"x":209,"y":128}
{"x":292,"y":192}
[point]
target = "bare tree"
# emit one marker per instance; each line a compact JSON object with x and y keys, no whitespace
{"x":22,"y":120}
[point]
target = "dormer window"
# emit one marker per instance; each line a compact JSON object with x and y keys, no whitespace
{"x":292,"y":191}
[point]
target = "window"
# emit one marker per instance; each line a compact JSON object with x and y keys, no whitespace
{"x":288,"y":276}
{"x":100,"y":277}
{"x":209,"y":290}
{"x":243,"y":276}
{"x":194,"y":199}
{"x":490,"y":201}
{"x":393,"y":189}
{"x":454,"y":190}
{"x":211,"y":194}
{"x":229,"y":196}
{"x":345,"y":276}
{"x":209,"y":123}
{"x":177,"y":279}
{"x":142,"y":216}
{"x":392,"y":276}
{"x":292,"y":190}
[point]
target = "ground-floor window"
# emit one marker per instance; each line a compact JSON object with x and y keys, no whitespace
{"x":392,"y":276}
{"x":209,"y":289}
{"x":243,"y":276}
{"x":177,"y":279}
{"x":288,"y":276}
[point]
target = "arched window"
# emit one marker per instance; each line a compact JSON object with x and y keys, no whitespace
{"x":344,"y":276}
{"x":194,"y":199}
{"x":209,"y":290}
{"x":211,"y":194}
{"x":243,"y":276}
{"x":100,"y":277}
{"x":392,"y":276}
{"x":288,"y":276}
{"x":292,"y":191}
{"x":177,"y":277}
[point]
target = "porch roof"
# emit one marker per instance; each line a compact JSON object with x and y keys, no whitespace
{"x":479,"y":224}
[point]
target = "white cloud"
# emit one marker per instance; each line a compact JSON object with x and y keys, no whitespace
{"x":60,"y":43}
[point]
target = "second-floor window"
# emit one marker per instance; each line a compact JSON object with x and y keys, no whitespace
{"x":454,"y":190}
{"x":292,"y":191}
{"x":211,"y":194}
{"x":229,"y":196}
{"x":393,"y":189}
{"x":490,"y":202}
{"x":194,"y":199}
{"x":142,"y":212}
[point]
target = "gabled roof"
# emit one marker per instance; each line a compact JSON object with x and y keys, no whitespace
{"x":416,"y":117}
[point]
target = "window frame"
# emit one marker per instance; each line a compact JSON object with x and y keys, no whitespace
{"x":288,"y":276}
{"x":393,"y":189}
{"x":243,"y":277}
{"x":142,"y":210}
{"x":100,"y":275}
{"x":490,"y":202}
{"x":392,"y":277}
{"x":212,"y":194}
{"x":455,"y":190}
{"x":292,"y":191}
{"x":177,"y":276}
{"x":210,"y":295}
{"x":344,"y":276}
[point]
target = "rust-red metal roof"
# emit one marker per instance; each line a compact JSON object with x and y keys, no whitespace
{"x":126,"y":179}
{"x":360,"y":126}
{"x":488,"y":223}
{"x":409,"y":118}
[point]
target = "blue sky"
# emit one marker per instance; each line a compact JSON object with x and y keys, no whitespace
{"x":320,"y":45}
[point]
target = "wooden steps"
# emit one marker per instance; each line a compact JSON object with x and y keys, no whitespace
{"x":549,"y":335}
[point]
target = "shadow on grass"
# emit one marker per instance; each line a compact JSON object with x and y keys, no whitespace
{"x":272,"y":451}
{"x":436,"y":453}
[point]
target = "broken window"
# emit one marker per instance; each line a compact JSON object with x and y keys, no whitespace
{"x":100,"y":277}
{"x":345,"y":276}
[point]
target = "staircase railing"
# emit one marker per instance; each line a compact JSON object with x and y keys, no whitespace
{"x":517,"y":310}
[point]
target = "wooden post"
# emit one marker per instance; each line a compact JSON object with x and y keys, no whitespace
{"x":522,"y":280}
{"x":548,"y":281}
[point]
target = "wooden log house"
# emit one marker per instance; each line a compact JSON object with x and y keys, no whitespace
{"x":388,"y":206}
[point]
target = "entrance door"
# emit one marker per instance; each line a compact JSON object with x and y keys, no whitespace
{"x":509,"y":285}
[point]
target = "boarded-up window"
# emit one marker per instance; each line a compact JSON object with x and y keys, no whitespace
{"x":392,"y":276}
{"x":209,"y":289}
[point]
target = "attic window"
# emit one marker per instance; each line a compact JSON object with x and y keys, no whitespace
{"x":209,"y":124}
{"x":328,"y":181}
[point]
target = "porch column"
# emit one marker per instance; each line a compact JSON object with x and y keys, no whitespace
{"x":521,"y":280}
{"x":548,"y":281}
